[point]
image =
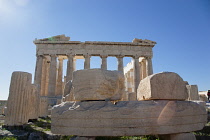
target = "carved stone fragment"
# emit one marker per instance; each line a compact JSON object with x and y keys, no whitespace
{"x":166,"y":85}
{"x":97,"y":84}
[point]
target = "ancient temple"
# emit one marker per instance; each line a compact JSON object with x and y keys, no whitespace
{"x":52,"y":51}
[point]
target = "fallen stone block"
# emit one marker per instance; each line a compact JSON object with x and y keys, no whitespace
{"x":97,"y":84}
{"x":166,"y":85}
{"x":127,"y":118}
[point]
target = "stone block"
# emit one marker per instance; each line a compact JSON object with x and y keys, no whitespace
{"x":97,"y":84}
{"x":180,"y":136}
{"x":132,"y":96}
{"x":127,"y":118}
{"x":192,"y":92}
{"x":166,"y":85}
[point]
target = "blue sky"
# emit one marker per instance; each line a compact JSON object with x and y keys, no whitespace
{"x":181,"y":29}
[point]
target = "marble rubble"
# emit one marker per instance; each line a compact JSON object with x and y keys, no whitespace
{"x":167,"y":114}
{"x":165,"y":85}
{"x":127,"y":118}
{"x":97,"y":84}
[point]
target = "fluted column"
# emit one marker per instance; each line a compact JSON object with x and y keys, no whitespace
{"x":120,"y":63}
{"x":43,"y":81}
{"x":104,"y":62}
{"x":38,"y":72}
{"x":144,"y":72}
{"x":70,"y":67}
{"x":47,"y":77}
{"x":60,"y":76}
{"x":149,"y":69}
{"x":19,"y":99}
{"x":52,"y":76}
{"x":136,"y":73}
{"x":74,"y":64}
{"x":87,"y":61}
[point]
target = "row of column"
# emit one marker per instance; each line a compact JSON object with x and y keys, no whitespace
{"x":141,"y":70}
{"x":49,"y":79}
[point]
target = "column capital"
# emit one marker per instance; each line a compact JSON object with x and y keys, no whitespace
{"x":148,"y":57}
{"x":69,"y":55}
{"x":53,"y":55}
{"x":136,"y":56}
{"x":39,"y":55}
{"x":60,"y":59}
{"x":120,"y":56}
{"x":86,"y":55}
{"x":103,"y":56}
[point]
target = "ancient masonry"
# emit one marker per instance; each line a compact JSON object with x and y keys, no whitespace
{"x":49,"y":50}
{"x":131,"y":101}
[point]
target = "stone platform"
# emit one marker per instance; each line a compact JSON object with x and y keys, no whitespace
{"x":127,"y":118}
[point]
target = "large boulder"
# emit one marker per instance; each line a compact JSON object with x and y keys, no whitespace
{"x":97,"y":84}
{"x":166,"y":85}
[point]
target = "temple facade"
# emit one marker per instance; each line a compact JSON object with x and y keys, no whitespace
{"x":51,"y":52}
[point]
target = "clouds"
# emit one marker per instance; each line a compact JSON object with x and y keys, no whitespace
{"x":21,"y":2}
{"x":12,"y":10}
{"x":10,"y":7}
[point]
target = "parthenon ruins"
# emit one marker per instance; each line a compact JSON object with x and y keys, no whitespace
{"x":129,"y":101}
{"x":49,"y":78}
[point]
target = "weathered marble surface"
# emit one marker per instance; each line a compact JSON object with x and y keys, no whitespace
{"x":18,"y":100}
{"x":61,"y":46}
{"x":192,"y":92}
{"x":98,"y":84}
{"x":127,"y":118}
{"x":43,"y":106}
{"x":67,"y":88}
{"x":166,"y":85}
{"x":33,"y":101}
{"x":179,"y":136}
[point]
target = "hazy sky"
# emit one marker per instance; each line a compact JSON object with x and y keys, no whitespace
{"x":181,"y":29}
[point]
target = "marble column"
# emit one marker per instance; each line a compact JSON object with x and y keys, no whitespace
{"x":74,"y":64}
{"x":120,"y":63}
{"x":70,"y":67}
{"x":43,"y":81}
{"x":144,"y":72}
{"x":87,"y":61}
{"x":52,"y":76}
{"x":149,"y":69}
{"x":104,"y":62}
{"x":19,"y":99}
{"x":38,"y":72}
{"x":136,"y":73}
{"x":141,"y":70}
{"x":59,"y":78}
{"x":47,"y":77}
